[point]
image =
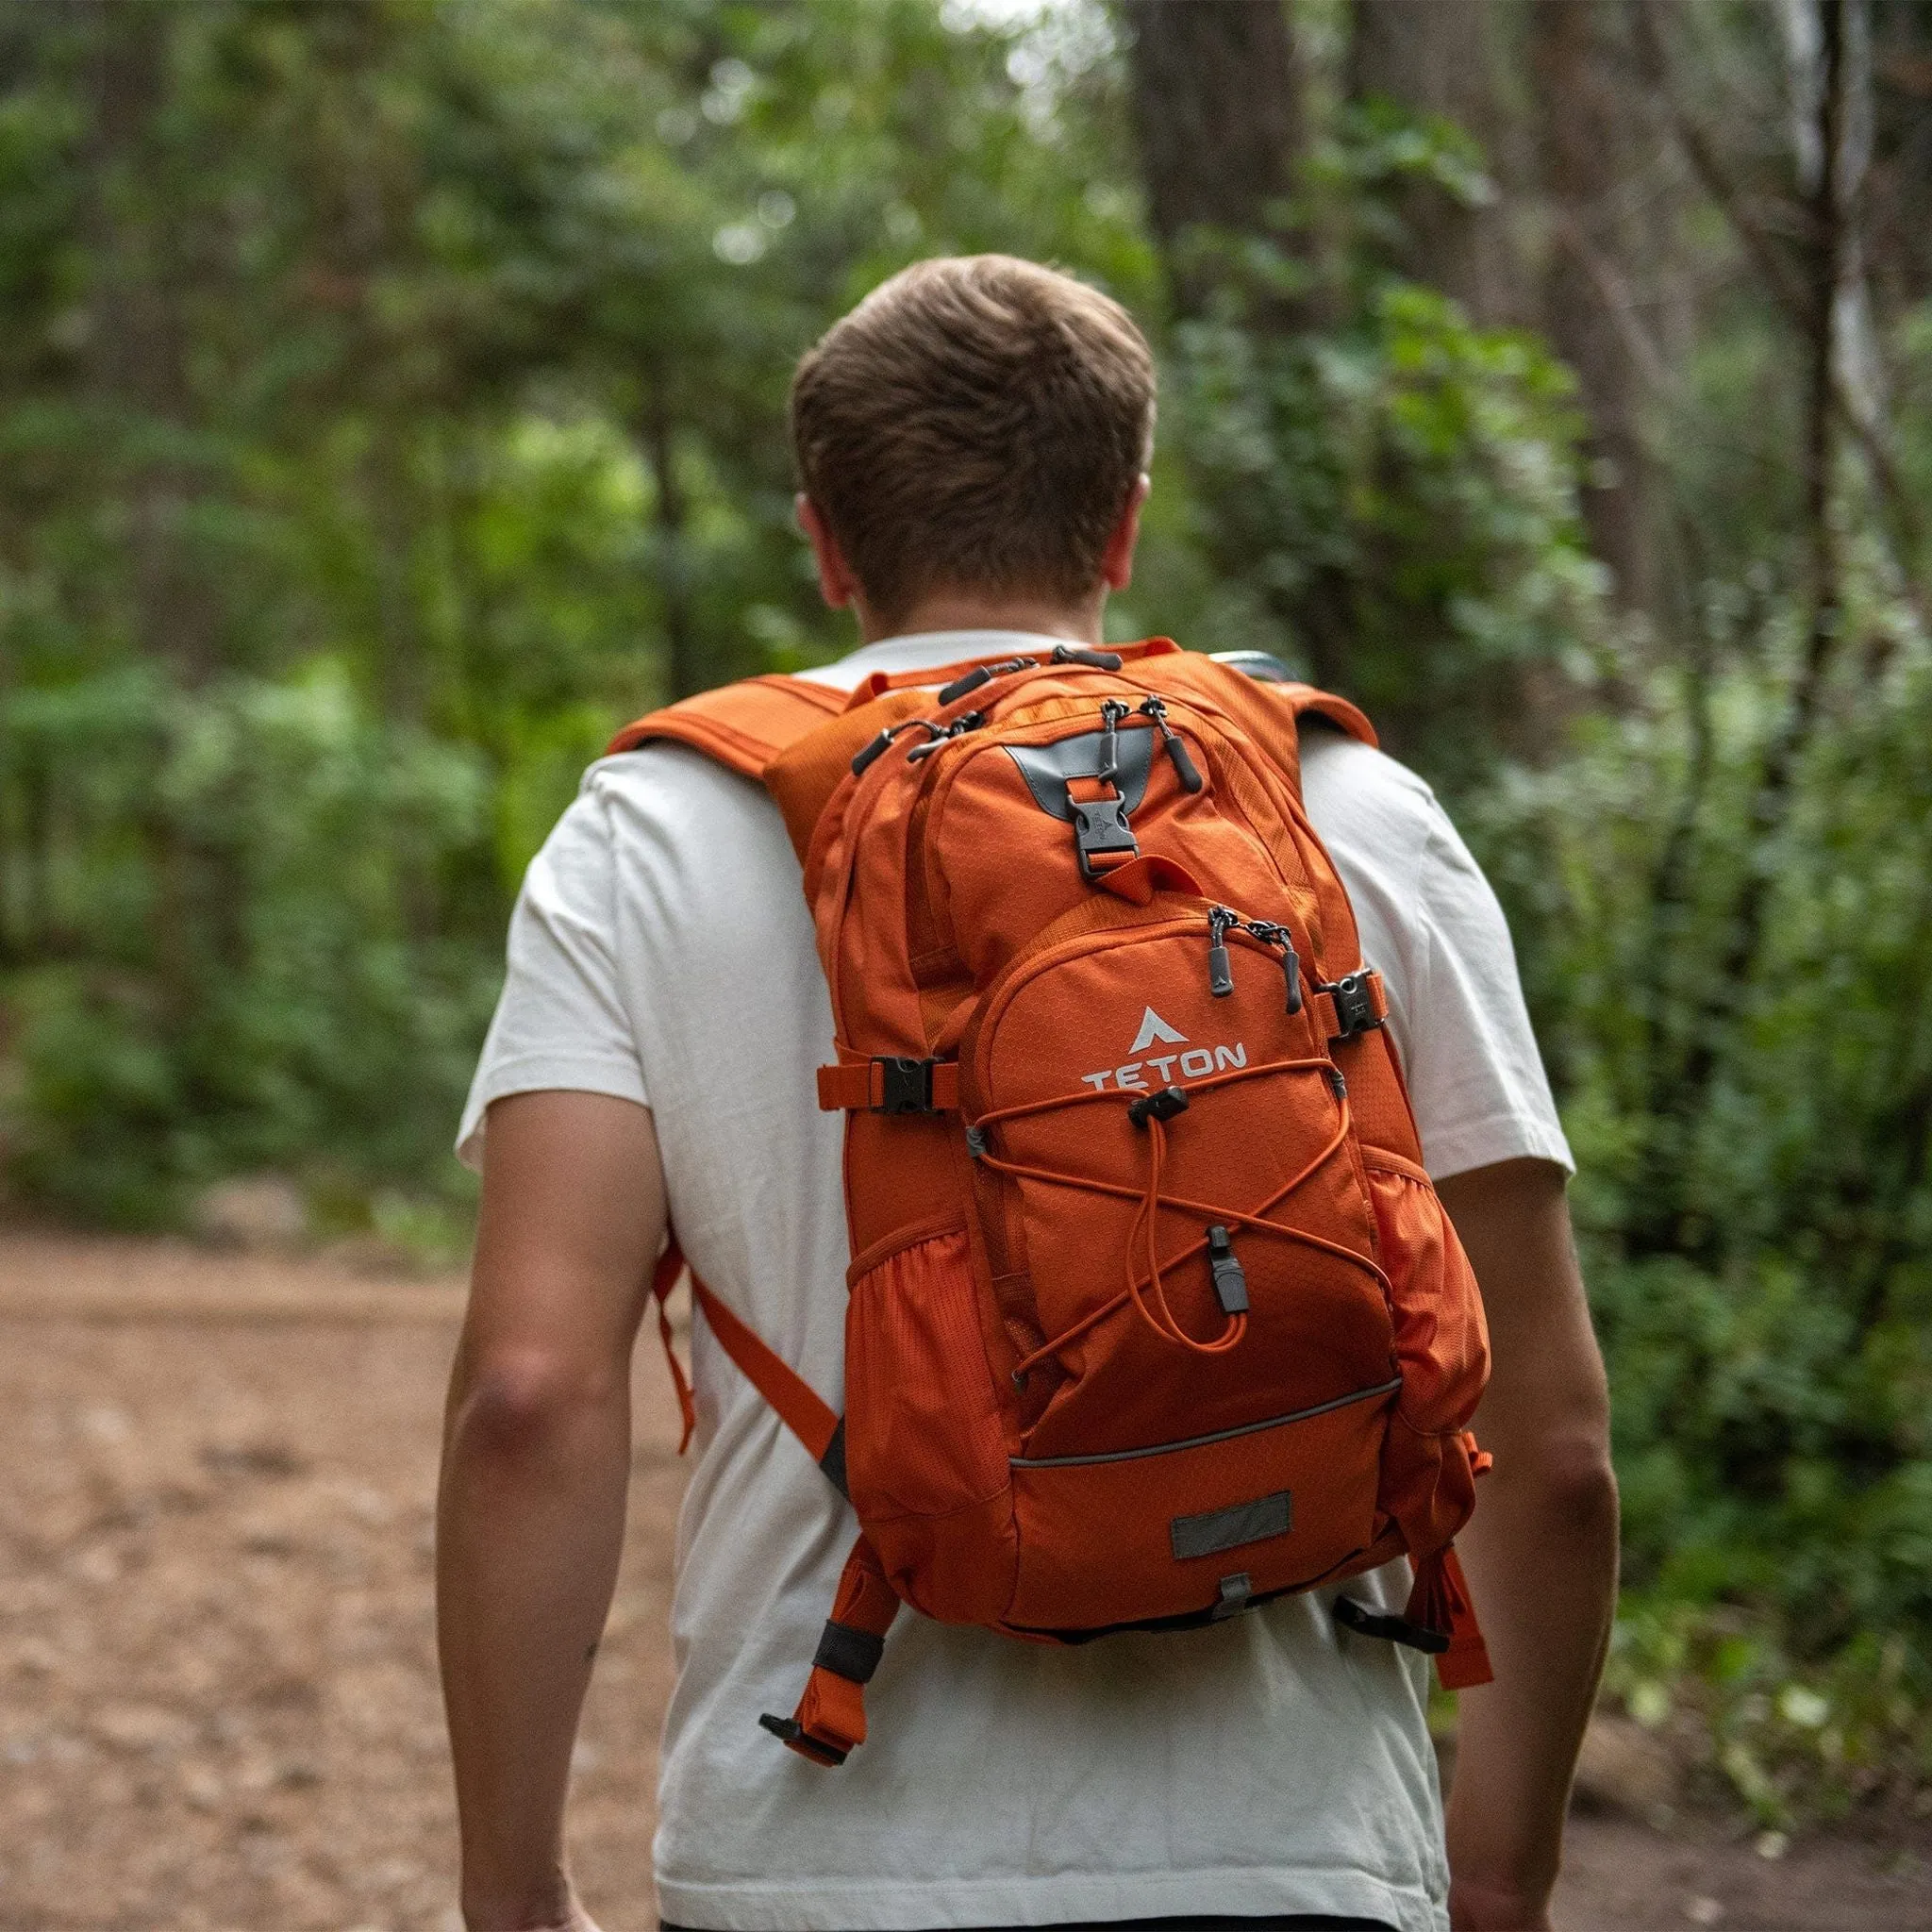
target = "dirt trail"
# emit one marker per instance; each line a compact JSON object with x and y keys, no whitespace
{"x":218,"y":1704}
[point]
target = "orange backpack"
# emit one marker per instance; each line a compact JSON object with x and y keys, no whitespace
{"x":1154,"y":1314}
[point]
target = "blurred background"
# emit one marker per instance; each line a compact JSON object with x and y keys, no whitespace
{"x":392,"y":404}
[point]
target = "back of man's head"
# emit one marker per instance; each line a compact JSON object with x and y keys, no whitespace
{"x":978,"y":424}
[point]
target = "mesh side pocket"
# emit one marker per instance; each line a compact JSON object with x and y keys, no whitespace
{"x":923,"y":1435}
{"x":1441,"y":1339}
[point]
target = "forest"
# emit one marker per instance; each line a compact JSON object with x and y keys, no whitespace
{"x":392,"y":402}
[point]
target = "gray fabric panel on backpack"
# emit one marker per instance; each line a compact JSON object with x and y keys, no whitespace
{"x":1227,"y":1529}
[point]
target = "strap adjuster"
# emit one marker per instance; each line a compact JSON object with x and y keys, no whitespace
{"x":1357,"y":1007}
{"x":890,"y":1083}
{"x":905,"y":1085}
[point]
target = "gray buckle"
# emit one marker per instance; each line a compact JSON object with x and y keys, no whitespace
{"x":1101,"y":831}
{"x":1355,"y":1004}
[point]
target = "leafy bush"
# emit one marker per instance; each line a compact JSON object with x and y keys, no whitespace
{"x":250,"y":963}
{"x":1748,"y":1096}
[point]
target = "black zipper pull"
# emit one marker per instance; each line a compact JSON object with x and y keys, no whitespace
{"x":1183,"y":765}
{"x":1290,"y":964}
{"x":1111,"y":713}
{"x":878,"y":746}
{"x":1094,"y":661}
{"x":1272,"y":935}
{"x":1230,"y":1281}
{"x":969,"y":720}
{"x":1220,"y":972}
{"x":982,"y":674}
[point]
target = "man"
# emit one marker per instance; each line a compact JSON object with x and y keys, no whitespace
{"x":971,"y":443}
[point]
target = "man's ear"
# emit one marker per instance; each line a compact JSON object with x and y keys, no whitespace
{"x":1117,"y":560}
{"x":837,"y":584}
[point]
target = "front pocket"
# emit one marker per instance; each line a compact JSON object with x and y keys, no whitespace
{"x":1065,"y":1050}
{"x":922,"y":1435}
{"x":1441,"y":1339}
{"x":1138,"y":1536}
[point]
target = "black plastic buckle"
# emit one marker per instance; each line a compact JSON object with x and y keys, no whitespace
{"x":847,"y":1653}
{"x":1355,"y":1003}
{"x":1101,"y":831}
{"x":1367,"y":1622}
{"x":904,"y":1084}
{"x":788,"y":1730}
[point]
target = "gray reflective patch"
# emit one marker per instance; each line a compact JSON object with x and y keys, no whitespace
{"x":1227,"y":1529}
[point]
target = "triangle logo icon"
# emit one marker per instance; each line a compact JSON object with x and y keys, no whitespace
{"x":1153,"y":1027}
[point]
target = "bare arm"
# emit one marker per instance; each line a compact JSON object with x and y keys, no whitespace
{"x":1541,"y":1552}
{"x":535,"y":1470}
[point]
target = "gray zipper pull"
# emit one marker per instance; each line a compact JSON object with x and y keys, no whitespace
{"x":1220,"y":972}
{"x":1184,"y":768}
{"x":1230,"y":1282}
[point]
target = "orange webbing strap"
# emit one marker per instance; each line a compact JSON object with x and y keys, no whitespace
{"x":743,"y":726}
{"x":829,"y":1723}
{"x":670,"y":1264}
{"x":862,"y":1084}
{"x":799,"y":1405}
{"x":1439,"y":1601}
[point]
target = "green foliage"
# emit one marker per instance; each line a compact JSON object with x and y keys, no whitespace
{"x":1393,"y":503}
{"x":393,"y":397}
{"x":247,"y":970}
{"x":1793,"y":1739}
{"x":1755,"y":1208}
{"x":1386,"y":492}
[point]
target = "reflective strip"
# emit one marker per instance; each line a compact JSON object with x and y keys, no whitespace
{"x":1252,"y":1522}
{"x":1300,"y":1415}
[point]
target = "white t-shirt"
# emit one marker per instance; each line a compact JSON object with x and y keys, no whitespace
{"x":661,"y":951}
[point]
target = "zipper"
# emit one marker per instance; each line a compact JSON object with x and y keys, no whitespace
{"x":1111,"y":713}
{"x":1274,"y":1422}
{"x":967,"y":721}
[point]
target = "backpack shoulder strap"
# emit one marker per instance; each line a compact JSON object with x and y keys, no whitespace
{"x":1261,"y":699}
{"x":1304,"y":700}
{"x":743,"y":726}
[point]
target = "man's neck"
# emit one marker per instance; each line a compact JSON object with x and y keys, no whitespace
{"x":1078,"y":624}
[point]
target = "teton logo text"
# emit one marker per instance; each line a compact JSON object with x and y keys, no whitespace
{"x":1195,"y":1063}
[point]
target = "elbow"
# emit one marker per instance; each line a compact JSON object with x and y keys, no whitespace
{"x":1578,"y":1481}
{"x":520,"y":1405}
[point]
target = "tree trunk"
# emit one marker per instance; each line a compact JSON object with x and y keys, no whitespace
{"x":1218,"y":110}
{"x":1822,"y":76}
{"x":1584,"y":138}
{"x":682,"y":671}
{"x":1438,"y":57}
{"x":137,"y":344}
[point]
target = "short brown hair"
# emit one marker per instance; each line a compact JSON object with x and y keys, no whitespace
{"x":978,"y":421}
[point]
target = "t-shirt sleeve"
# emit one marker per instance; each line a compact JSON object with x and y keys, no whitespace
{"x":1475,"y":1078}
{"x":559,"y":1021}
